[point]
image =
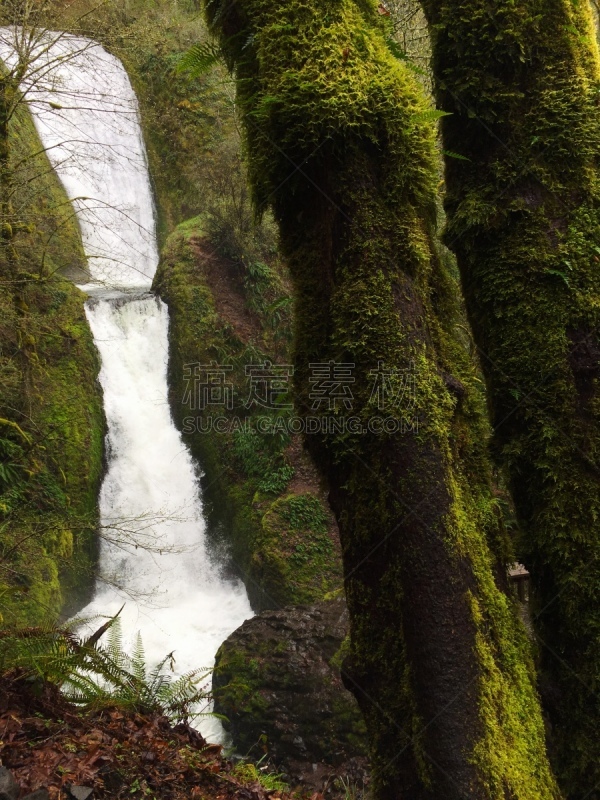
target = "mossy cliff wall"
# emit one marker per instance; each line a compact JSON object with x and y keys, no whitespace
{"x":51,"y":420}
{"x":339,"y":145}
{"x":259,"y":487}
{"x":521,"y":81}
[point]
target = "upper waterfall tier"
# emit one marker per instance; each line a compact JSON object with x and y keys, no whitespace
{"x":86,"y":113}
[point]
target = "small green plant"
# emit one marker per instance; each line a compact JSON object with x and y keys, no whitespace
{"x":305,"y":512}
{"x":247,"y":772}
{"x":255,"y":454}
{"x":199,"y":59}
{"x":352,"y":791}
{"x":274,"y":482}
{"x":137,"y":687}
{"x":260,"y":282}
{"x":11,"y":470}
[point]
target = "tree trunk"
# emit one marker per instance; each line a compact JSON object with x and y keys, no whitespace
{"x":9,"y":225}
{"x":339,"y":146}
{"x":521,"y":81}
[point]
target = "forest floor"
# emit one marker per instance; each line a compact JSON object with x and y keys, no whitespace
{"x":48,"y":743}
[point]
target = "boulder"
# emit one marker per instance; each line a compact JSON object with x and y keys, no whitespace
{"x":9,"y":788}
{"x":277,"y":680}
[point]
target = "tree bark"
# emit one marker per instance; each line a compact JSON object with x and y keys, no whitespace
{"x":339,"y":146}
{"x":7,"y":232}
{"x":521,"y":81}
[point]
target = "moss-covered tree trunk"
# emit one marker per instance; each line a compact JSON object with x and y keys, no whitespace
{"x":7,"y":221}
{"x":339,"y":145}
{"x":522,"y":83}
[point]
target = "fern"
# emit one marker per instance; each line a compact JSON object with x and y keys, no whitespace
{"x":138,"y":660}
{"x":95,"y":676}
{"x":9,"y":475}
{"x":399,"y":53}
{"x":200,"y":59}
{"x":11,"y":471}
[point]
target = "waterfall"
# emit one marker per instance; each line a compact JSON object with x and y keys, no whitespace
{"x":153,"y":553}
{"x":175,"y":598}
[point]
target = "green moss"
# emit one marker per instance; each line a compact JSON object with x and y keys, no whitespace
{"x":52,"y":462}
{"x":421,"y":532}
{"x":295,"y":557}
{"x":239,"y":682}
{"x":53,"y":244}
{"x":523,"y":219}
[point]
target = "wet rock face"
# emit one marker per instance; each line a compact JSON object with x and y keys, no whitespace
{"x":277,"y":680}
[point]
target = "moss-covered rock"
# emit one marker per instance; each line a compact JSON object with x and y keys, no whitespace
{"x":260,"y":487}
{"x":278,"y":682}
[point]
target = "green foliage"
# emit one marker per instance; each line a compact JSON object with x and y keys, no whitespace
{"x":11,"y":470}
{"x":260,"y":281}
{"x":42,"y":653}
{"x":231,"y":224}
{"x":450,"y":154}
{"x":112,"y":677}
{"x":247,"y":471}
{"x":276,"y":480}
{"x":305,"y":512}
{"x":49,"y":241}
{"x":93,"y":676}
{"x":399,"y":53}
{"x":260,"y":458}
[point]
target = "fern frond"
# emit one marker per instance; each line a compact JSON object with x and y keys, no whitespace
{"x":138,"y":660}
{"x":452,"y":154}
{"x":431,"y":115}
{"x":200,"y":59}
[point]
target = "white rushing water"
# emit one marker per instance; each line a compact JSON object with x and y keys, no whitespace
{"x":86,"y":113}
{"x":153,"y":556}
